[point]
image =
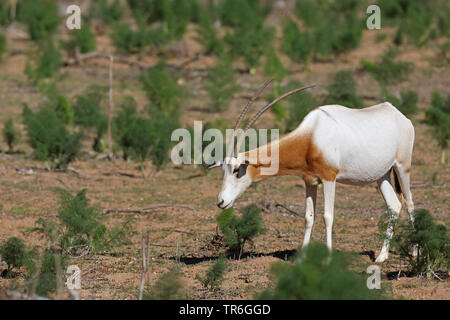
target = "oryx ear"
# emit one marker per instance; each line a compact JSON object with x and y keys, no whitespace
{"x":217,"y":164}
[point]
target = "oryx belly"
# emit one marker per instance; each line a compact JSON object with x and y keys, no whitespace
{"x":361,"y":143}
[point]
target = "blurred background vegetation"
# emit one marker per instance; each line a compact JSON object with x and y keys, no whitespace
{"x":229,"y":39}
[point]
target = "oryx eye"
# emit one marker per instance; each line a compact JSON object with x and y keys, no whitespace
{"x":240,"y":171}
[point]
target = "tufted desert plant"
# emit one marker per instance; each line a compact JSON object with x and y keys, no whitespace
{"x":316,"y":274}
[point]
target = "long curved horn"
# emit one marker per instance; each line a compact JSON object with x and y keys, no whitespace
{"x":244,"y":111}
{"x":264,"y":109}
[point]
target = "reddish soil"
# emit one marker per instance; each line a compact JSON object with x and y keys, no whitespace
{"x":27,"y":193}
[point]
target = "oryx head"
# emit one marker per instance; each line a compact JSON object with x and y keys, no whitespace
{"x":236,"y":166}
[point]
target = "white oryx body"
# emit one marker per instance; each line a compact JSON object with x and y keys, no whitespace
{"x":336,"y":144}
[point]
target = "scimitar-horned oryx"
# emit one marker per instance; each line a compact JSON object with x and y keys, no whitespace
{"x":332,"y":144}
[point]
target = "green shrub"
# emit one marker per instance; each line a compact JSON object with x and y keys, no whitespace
{"x":214,"y":275}
{"x":162,"y":89}
{"x":107,"y":11}
{"x":13,"y":252}
{"x":249,"y":41}
{"x":221,"y":84}
{"x":431,"y":240}
{"x":208,"y":35}
{"x":168,"y":287}
{"x":79,"y":227}
{"x":235,"y":13}
{"x":317,"y":274}
{"x":387,"y":70}
{"x":329,"y":27}
{"x":3,"y":45}
{"x":341,"y":90}
{"x":239,"y":230}
{"x":10,"y":134}
{"x":273,"y":66}
{"x":46,"y":62}
{"x":49,"y":137}
{"x":5,"y":13}
{"x":295,"y":44}
{"x":248,"y":36}
{"x":407,"y":104}
{"x":83,"y":39}
{"x":415,"y":19}
{"x":144,"y":137}
{"x":130,"y":41}
{"x":45,"y":277}
{"x":88,"y":114}
{"x":40,"y":17}
{"x":438,"y":116}
{"x":80,"y":221}
{"x":174,"y":15}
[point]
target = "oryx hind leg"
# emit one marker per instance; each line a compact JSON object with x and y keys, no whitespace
{"x":394,"y":207}
{"x":403,"y":174}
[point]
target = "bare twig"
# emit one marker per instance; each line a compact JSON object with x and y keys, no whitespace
{"x":143,"y":210}
{"x":285,"y":208}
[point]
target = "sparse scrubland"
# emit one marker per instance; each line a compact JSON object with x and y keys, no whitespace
{"x":78,"y":138}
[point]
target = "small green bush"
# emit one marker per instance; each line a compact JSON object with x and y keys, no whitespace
{"x":79,"y":227}
{"x":169,"y":286}
{"x":221,"y":84}
{"x":13,"y":252}
{"x":415,"y":19}
{"x":208,"y":35}
{"x":46,"y":62}
{"x":144,"y":137}
{"x":83,"y":39}
{"x":49,"y":137}
{"x":273,"y":66}
{"x":10,"y":134}
{"x":109,"y":12}
{"x":3,"y":45}
{"x":214,"y":275}
{"x":438,"y":116}
{"x":317,"y":274}
{"x":387,"y":70}
{"x":249,"y":41}
{"x":81,"y":221}
{"x":88,"y":114}
{"x":341,"y":90}
{"x":431,"y":239}
{"x":130,"y":41}
{"x":239,"y":230}
{"x":235,"y":13}
{"x":329,"y":27}
{"x":295,"y":44}
{"x":174,"y":15}
{"x":44,"y":279}
{"x":40,"y":17}
{"x":162,"y":89}
{"x":5,"y":13}
{"x":407,"y":104}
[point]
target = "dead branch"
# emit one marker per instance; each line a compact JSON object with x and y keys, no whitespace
{"x":285,"y":208}
{"x":143,"y":210}
{"x":79,"y":59}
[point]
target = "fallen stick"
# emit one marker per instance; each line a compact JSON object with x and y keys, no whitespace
{"x":285,"y":208}
{"x":143,"y":210}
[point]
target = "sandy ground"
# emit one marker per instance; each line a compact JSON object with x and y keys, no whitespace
{"x":185,"y":237}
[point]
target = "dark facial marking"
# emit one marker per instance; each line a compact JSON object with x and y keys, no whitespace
{"x":241,"y":171}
